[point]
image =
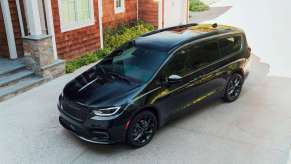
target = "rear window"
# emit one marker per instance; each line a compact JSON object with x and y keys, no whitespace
{"x":230,"y":45}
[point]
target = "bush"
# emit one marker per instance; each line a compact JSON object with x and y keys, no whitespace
{"x":113,"y":38}
{"x":197,"y":6}
{"x":89,"y":58}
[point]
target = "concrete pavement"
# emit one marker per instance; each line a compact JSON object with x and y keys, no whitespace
{"x":267,"y":24}
{"x":210,"y":14}
{"x":255,"y":129}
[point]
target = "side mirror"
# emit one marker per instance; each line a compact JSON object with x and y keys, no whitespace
{"x":174,"y":79}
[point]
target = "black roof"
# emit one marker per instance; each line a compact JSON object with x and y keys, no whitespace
{"x":167,"y":39}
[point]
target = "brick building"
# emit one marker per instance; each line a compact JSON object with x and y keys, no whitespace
{"x":36,"y":35}
{"x":76,"y":25}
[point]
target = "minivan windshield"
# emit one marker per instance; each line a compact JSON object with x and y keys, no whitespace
{"x":135,"y":62}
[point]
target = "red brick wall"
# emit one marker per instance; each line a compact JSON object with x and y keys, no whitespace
{"x":149,"y":11}
{"x":75,"y":43}
{"x":4,"y":51}
{"x":111,"y":19}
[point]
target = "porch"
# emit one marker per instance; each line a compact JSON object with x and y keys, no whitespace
{"x":22,"y":19}
{"x":15,"y":78}
{"x":28,"y":53}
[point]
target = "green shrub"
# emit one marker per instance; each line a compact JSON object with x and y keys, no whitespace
{"x":113,"y":38}
{"x":89,"y":58}
{"x":197,"y":6}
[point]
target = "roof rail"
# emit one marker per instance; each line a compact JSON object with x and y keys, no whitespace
{"x":169,"y":28}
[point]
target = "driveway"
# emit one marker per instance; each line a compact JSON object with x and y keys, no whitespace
{"x":267,"y":24}
{"x":212,"y":13}
{"x":256,"y":129}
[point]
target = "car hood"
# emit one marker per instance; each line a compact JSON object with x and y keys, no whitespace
{"x":100,"y":91}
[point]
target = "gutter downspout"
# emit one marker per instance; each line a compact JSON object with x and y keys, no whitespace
{"x":160,"y":14}
{"x":137,"y":8}
{"x":188,"y":13}
{"x":100,"y":16}
{"x":50,"y":26}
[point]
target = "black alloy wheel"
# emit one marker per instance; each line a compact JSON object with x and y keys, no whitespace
{"x":142,"y":129}
{"x":233,"y":88}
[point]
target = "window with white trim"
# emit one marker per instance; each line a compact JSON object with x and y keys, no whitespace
{"x":76,"y":14}
{"x":119,"y":6}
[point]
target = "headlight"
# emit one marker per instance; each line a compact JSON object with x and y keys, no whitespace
{"x":106,"y":111}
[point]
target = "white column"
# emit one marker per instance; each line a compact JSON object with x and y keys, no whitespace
{"x":50,"y":25}
{"x":33,"y":17}
{"x":20,"y":17}
{"x":100,"y":9}
{"x":160,"y":14}
{"x":9,"y":28}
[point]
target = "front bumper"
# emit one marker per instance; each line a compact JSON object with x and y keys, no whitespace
{"x":95,"y":130}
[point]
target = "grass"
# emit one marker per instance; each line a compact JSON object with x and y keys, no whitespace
{"x":198,"y":6}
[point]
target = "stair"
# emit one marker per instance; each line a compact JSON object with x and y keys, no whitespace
{"x":16,"y":79}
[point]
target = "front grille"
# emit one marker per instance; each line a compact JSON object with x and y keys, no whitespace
{"x":75,"y":111}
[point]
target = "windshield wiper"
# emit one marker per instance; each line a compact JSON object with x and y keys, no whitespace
{"x":102,"y":69}
{"x":121,"y":77}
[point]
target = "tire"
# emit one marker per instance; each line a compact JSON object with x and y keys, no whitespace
{"x":141,"y":129}
{"x":233,"y":88}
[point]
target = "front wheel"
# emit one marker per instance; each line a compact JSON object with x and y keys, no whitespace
{"x":142,"y":129}
{"x":233,"y":88}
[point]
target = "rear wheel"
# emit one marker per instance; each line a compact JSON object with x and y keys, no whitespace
{"x":233,"y":88}
{"x":142,"y":129}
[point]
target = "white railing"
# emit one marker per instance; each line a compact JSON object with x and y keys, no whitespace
{"x":32,"y":17}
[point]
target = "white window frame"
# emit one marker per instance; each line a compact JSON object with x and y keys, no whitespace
{"x":77,"y":25}
{"x":119,"y":9}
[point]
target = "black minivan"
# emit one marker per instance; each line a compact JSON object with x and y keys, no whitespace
{"x":146,"y":82}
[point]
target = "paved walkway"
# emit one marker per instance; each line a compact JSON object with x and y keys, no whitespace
{"x":212,"y":13}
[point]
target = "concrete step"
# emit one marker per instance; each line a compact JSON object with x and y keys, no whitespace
{"x":9,"y":66}
{"x":14,"y":76}
{"x":20,"y":87}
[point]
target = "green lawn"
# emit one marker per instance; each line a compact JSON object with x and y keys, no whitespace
{"x":198,"y":6}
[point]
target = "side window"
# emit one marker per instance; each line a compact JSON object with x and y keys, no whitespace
{"x":119,"y":6}
{"x":203,"y":54}
{"x":179,"y":64}
{"x":76,"y":14}
{"x":230,"y":45}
